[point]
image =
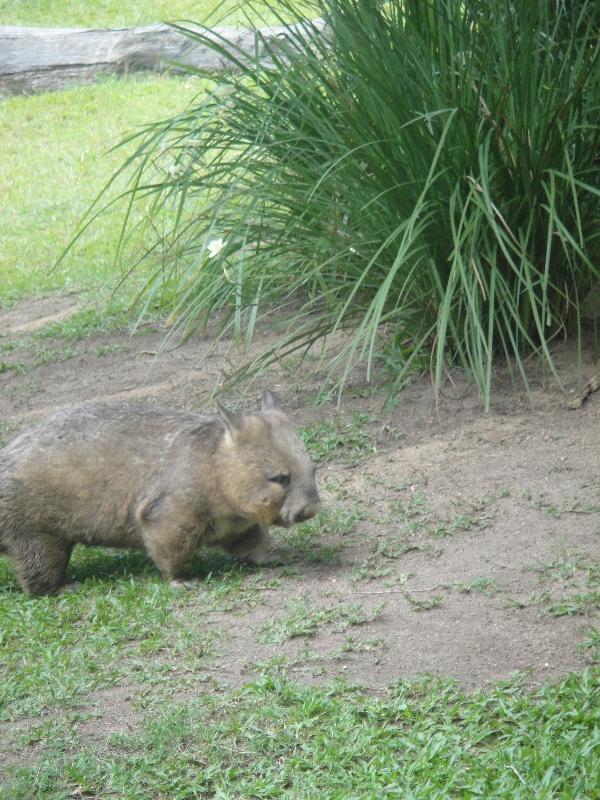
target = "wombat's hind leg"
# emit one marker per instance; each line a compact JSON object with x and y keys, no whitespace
{"x":41,"y":563}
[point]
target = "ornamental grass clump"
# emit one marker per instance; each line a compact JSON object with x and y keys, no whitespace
{"x":421,"y":176}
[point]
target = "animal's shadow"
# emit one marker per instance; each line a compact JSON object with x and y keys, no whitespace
{"x":107,"y":565}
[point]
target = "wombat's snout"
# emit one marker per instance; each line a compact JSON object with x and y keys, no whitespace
{"x":308,"y":510}
{"x":307,"y":513}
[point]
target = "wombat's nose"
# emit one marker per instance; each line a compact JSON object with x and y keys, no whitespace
{"x":308,"y":512}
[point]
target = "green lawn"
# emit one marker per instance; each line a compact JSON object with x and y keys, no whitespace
{"x":55,"y":161}
{"x":109,"y":13}
{"x":423,"y":740}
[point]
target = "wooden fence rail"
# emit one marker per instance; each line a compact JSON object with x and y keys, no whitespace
{"x":42,"y":59}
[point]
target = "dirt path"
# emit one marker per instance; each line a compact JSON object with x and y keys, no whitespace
{"x":462,"y":545}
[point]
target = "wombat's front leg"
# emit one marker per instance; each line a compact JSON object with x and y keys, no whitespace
{"x":170,"y":541}
{"x":253,"y":546}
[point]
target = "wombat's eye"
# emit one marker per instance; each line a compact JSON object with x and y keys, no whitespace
{"x":283,"y":479}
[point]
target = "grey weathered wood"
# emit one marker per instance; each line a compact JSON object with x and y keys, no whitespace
{"x":41,"y":59}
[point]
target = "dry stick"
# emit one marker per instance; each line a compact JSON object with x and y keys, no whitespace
{"x":401,"y":591}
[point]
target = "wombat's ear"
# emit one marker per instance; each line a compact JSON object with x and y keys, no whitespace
{"x":233,"y":421}
{"x":269,"y":401}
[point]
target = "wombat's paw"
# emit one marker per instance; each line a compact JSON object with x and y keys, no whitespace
{"x":189,"y":583}
{"x":67,"y":588}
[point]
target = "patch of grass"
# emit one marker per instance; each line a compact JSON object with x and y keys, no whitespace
{"x":311,"y":541}
{"x":571,"y":569}
{"x":109,"y":349}
{"x":424,"y":604}
{"x":75,"y":643}
{"x":590,"y":647}
{"x":273,"y":739}
{"x":417,"y":518}
{"x":303,"y":620}
{"x":486,"y":586}
{"x":512,"y":602}
{"x":370,"y":570}
{"x":342,"y":439}
{"x":85,"y":323}
{"x":582,"y":603}
{"x":461,"y":523}
{"x":557,"y":511}
{"x":5,"y":427}
{"x":6,"y":366}
{"x":394,"y":547}
{"x":123,"y":623}
{"x":52,"y":355}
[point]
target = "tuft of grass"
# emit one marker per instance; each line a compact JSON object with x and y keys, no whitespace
{"x":590,"y":647}
{"x":581,"y":603}
{"x":6,"y":366}
{"x":487,"y":586}
{"x":424,"y":174}
{"x":424,"y":604}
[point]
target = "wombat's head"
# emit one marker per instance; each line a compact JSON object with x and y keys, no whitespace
{"x":265,"y":471}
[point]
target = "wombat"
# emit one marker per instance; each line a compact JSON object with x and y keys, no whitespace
{"x":132,"y":475}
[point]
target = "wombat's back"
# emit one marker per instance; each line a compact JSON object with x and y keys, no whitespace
{"x":82,"y":472}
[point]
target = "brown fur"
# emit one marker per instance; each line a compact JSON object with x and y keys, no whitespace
{"x":132,"y":475}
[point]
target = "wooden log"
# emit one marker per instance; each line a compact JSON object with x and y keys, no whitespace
{"x":42,"y":59}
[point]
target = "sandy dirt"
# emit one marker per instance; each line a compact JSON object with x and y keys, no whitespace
{"x":452,"y":543}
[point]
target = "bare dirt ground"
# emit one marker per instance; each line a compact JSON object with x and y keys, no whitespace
{"x":457,"y":543}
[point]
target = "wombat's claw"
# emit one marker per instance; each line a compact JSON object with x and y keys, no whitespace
{"x":178,"y":583}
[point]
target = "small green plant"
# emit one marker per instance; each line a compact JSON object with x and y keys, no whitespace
{"x":393,"y":547}
{"x":369,"y":570}
{"x":6,"y":366}
{"x":424,"y":604}
{"x":574,"y":507}
{"x":590,"y":647}
{"x":569,"y":567}
{"x":581,"y":603}
{"x":487,"y":586}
